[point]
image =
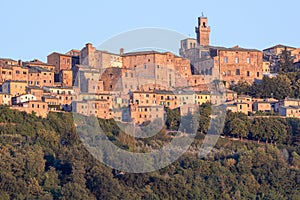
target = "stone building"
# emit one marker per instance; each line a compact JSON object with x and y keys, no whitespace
{"x":52,"y":101}
{"x":14,"y":73}
{"x":63,"y":94}
{"x":17,"y":100}
{"x":154,"y":68}
{"x":226,"y":64}
{"x":40,"y":77}
{"x":99,"y":59}
{"x":100,"y":108}
{"x":290,"y":111}
{"x":238,"y":64}
{"x":64,"y":63}
{"x":36,"y":91}
{"x":264,"y":105}
{"x":66,"y":77}
{"x":203,"y":31}
{"x":4,"y":62}
{"x":38,"y":107}
{"x":140,"y":114}
{"x":38,"y":63}
{"x":277,"y":49}
{"x":202,"y":97}
{"x":60,"y":61}
{"x":14,"y":88}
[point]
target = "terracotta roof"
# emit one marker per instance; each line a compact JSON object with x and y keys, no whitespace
{"x":16,"y":81}
{"x":36,"y":62}
{"x":145,"y":53}
{"x":61,"y":54}
{"x":36,"y":69}
{"x":7,"y":59}
{"x":34,"y":87}
{"x":235,"y":48}
{"x":279,"y":46}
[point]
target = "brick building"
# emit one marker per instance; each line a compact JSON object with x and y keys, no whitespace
{"x":38,"y":63}
{"x":227,"y":64}
{"x":38,"y":107}
{"x":94,"y":58}
{"x":36,"y":91}
{"x":14,"y":73}
{"x":40,"y":77}
{"x":203,"y":31}
{"x":60,"y":61}
{"x":100,"y":108}
{"x":140,"y":114}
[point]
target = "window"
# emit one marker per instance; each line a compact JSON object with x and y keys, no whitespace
{"x":32,"y":105}
{"x":225,"y":60}
{"x":45,"y":81}
{"x":236,"y":60}
{"x":157,"y":66}
{"x":257,"y":74}
{"x":148,"y":60}
{"x":237,"y":72}
{"x":145,"y":66}
{"x":248,"y":73}
{"x":126,"y":75}
{"x":3,"y":72}
{"x":24,"y":72}
{"x":248,"y":60}
{"x":17,"y":72}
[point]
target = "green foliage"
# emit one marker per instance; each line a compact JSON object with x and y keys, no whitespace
{"x":286,"y":62}
{"x":45,"y":159}
{"x":278,"y":87}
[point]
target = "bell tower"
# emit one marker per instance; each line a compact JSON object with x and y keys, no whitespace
{"x":203,"y":31}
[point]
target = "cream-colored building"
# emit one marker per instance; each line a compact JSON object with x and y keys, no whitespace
{"x":5,"y":99}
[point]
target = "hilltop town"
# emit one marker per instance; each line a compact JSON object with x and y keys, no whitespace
{"x":138,"y":86}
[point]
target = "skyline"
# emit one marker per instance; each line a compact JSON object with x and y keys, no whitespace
{"x":35,"y":29}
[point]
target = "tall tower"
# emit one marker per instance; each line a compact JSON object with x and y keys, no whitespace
{"x":203,"y":31}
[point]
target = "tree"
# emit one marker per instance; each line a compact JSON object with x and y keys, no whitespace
{"x":286,"y":62}
{"x":238,"y":128}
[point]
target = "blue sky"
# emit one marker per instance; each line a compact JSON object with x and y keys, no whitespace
{"x":33,"y":29}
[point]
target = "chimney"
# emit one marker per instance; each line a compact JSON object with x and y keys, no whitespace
{"x":20,"y":62}
{"x":121,"y":51}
